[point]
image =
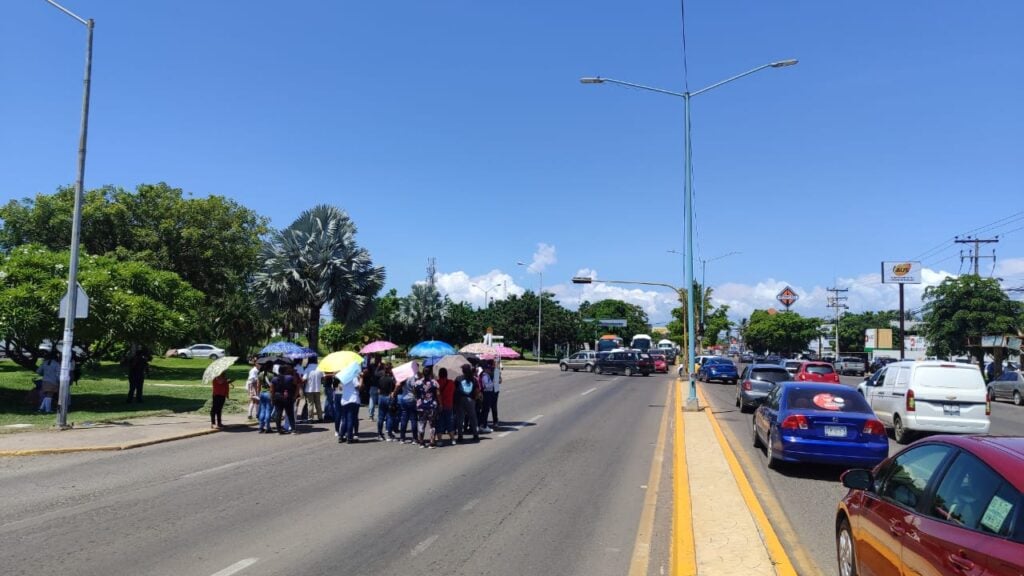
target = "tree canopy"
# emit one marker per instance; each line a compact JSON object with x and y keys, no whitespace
{"x":961,"y":310}
{"x":781,"y":332}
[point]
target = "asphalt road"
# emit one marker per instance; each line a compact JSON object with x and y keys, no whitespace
{"x":557,"y":490}
{"x":801,"y":500}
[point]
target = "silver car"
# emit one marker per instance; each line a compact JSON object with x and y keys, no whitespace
{"x":582,"y":360}
{"x":201,"y":351}
{"x":756,"y":381}
{"x":1009,"y":386}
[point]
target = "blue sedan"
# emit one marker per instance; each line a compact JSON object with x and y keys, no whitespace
{"x":721,"y":369}
{"x":819,"y":423}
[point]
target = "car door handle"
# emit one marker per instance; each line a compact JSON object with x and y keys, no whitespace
{"x":960,"y":561}
{"x":896,"y":528}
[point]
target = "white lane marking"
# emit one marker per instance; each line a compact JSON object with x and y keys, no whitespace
{"x":422,"y":546}
{"x":470,"y":505}
{"x":236,"y":567}
{"x":535,"y":418}
{"x":218,"y":468}
{"x":518,"y":428}
{"x":505,"y":433}
{"x":588,"y":392}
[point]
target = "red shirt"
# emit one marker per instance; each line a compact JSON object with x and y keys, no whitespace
{"x":447,"y":388}
{"x":221,"y":386}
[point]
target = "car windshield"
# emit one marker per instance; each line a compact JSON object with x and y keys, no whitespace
{"x":770,"y":374}
{"x":819,"y":369}
{"x":835,"y":399}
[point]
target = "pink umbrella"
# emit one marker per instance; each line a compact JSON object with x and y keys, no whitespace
{"x":504,"y":352}
{"x":378,"y":346}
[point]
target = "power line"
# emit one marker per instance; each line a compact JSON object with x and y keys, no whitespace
{"x":975,"y":256}
{"x":839,"y":303}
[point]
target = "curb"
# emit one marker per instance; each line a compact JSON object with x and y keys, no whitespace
{"x":682,"y":550}
{"x":108,"y":448}
{"x":776,"y":553}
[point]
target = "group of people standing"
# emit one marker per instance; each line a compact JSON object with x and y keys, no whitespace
{"x":421,"y":409}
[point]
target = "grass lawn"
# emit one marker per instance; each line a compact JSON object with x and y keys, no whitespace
{"x":173,"y":385}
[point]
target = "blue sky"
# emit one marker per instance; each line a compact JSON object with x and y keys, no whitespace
{"x":458,"y":130}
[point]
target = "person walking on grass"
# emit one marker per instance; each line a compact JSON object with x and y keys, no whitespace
{"x":446,"y":406}
{"x":466,"y":389}
{"x":385,"y":419}
{"x":138,"y":367}
{"x":221,"y":390}
{"x":49,"y":374}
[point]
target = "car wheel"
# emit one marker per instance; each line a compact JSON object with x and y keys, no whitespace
{"x":753,"y":429}
{"x":590,"y":368}
{"x":845,"y":553}
{"x":1017,"y":401}
{"x":899,"y":433}
{"x":214,"y":356}
{"x":991,"y":394}
{"x":182,"y":355}
{"x":770,"y":453}
{"x":628,"y":371}
{"x":738,"y":402}
{"x":563,"y":367}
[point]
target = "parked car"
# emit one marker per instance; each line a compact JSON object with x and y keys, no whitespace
{"x":945,"y":505}
{"x":200,"y":351}
{"x":582,"y":360}
{"x":930,"y":396}
{"x":720,"y":369}
{"x":671,"y":355}
{"x":793,"y":366}
{"x":817,"y":372}
{"x":756,"y":381}
{"x":818,"y":423}
{"x":1009,"y":386}
{"x":625,"y":362}
{"x":880,"y":362}
{"x":747,"y":358}
{"x":660,"y":363}
{"x":850,"y":365}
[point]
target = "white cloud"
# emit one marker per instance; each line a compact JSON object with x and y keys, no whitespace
{"x":461,"y":287}
{"x":1011,"y":270}
{"x":542,"y":258}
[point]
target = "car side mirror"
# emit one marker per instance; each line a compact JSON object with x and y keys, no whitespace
{"x":857,"y":479}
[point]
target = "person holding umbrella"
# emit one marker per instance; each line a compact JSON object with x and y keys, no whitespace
{"x":283,"y":391}
{"x":221,"y":390}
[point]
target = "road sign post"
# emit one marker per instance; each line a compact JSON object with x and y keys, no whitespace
{"x":787,"y":297}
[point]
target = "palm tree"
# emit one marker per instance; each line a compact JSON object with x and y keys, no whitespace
{"x":423,"y":310}
{"x":316,"y":262}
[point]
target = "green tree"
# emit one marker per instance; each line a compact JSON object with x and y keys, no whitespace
{"x":781,"y":332}
{"x":959,"y":311}
{"x":316,"y":262}
{"x":461,"y":323}
{"x":716,"y":322}
{"x":635,"y":317}
{"x":852,"y":327}
{"x":129,"y":303}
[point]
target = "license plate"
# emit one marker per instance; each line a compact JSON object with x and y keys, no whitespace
{"x":835,"y":431}
{"x":951,"y":409}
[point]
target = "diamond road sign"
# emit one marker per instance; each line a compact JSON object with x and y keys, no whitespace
{"x":787,"y":297}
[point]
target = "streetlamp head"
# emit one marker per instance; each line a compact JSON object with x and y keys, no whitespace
{"x":582,"y":280}
{"x":591,"y":80}
{"x":520,"y":264}
{"x":784,"y":63}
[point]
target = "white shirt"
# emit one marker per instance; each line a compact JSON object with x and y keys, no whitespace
{"x":349,"y":393}
{"x":313,"y":377}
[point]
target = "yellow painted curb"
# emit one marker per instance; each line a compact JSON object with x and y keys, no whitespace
{"x":645,"y":530}
{"x":780,"y":560}
{"x":108,"y":448}
{"x":683,"y":553}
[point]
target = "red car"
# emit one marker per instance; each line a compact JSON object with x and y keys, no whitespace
{"x":816,"y":372}
{"x":943,"y":505}
{"x":660,"y":363}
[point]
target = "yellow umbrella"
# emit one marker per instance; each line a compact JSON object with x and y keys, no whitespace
{"x":345,"y":364}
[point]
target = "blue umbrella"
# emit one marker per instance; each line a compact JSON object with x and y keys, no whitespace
{"x":431,"y":349}
{"x":301,"y":353}
{"x":281,"y":348}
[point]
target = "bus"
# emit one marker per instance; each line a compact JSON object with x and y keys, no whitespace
{"x":641,"y":342}
{"x":608,"y":342}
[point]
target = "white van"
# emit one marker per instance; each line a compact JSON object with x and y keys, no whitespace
{"x":929,"y":396}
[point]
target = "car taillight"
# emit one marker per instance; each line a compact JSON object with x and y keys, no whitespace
{"x":795,"y":422}
{"x":874,"y":427}
{"x":988,"y":407}
{"x":911,"y":405}
{"x":747,"y":385}
{"x":802,"y":376}
{"x":835,"y":378}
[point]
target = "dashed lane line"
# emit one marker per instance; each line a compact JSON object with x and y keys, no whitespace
{"x":236,"y":567}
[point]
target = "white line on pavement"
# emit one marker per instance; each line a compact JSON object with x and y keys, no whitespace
{"x":422,"y":546}
{"x":518,"y":428}
{"x":218,"y":468}
{"x":470,"y":505}
{"x":535,"y":418}
{"x":237,"y":567}
{"x":588,"y":392}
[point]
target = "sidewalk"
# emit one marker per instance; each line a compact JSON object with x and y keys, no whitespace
{"x":729,"y":532}
{"x":122,"y":435}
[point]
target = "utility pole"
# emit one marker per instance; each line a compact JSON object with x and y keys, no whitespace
{"x":839,"y":303}
{"x":974,"y":254}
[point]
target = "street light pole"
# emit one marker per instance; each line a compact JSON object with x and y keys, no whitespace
{"x":691,"y":401}
{"x":67,"y":349}
{"x":487,"y":302}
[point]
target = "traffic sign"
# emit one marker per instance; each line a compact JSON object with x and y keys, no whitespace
{"x":787,"y":297}
{"x":81,"y":304}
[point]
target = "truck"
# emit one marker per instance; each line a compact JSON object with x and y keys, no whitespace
{"x":850,"y":365}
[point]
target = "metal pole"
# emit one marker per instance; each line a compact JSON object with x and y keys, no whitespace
{"x":540,"y":295}
{"x":76,"y":223}
{"x":691,"y":401}
{"x":703,"y":291}
{"x":902,"y":333}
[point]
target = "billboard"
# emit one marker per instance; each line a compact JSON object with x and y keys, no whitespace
{"x":901,"y":272}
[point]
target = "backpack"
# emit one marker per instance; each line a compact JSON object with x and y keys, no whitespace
{"x":466,"y":385}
